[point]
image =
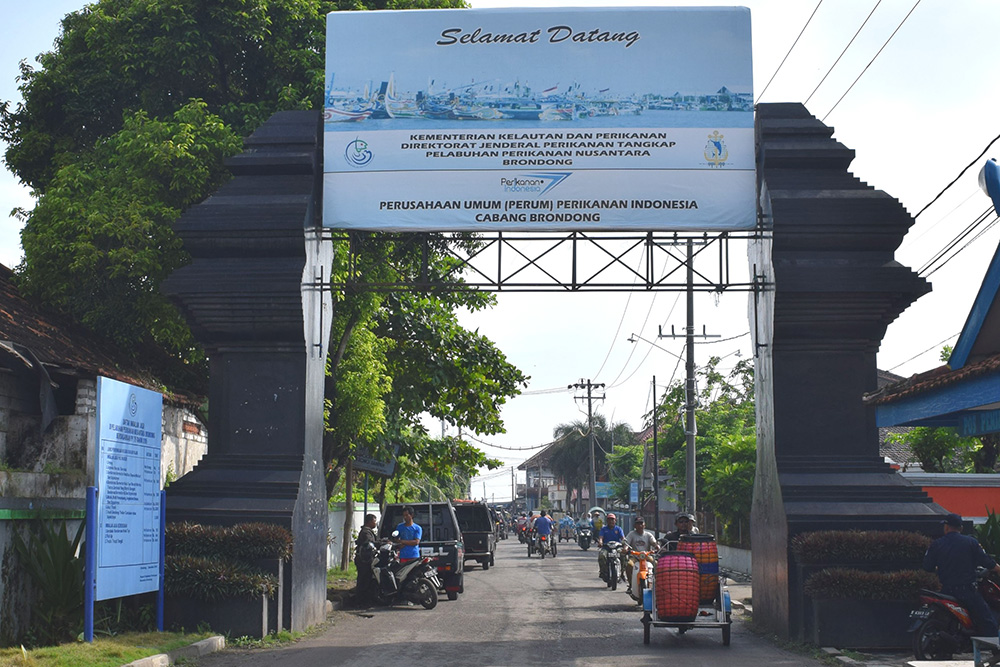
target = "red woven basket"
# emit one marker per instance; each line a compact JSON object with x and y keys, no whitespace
{"x":677,"y":587}
{"x":706,"y":552}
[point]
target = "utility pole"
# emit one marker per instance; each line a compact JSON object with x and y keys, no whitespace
{"x":690,"y":391}
{"x":656,"y":470}
{"x":590,"y":386}
{"x":513,"y":488}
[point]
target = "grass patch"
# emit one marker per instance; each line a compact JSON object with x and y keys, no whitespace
{"x":103,"y":652}
{"x":341,"y":580}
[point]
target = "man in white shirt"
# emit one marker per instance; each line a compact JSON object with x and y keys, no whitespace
{"x":638,"y":540}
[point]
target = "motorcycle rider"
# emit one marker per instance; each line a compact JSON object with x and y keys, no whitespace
{"x":610,"y":532}
{"x":684,"y":524}
{"x":954,"y":557}
{"x":543,"y":526}
{"x":637,"y":540}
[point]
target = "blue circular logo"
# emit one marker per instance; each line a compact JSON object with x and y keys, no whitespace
{"x":357,"y":153}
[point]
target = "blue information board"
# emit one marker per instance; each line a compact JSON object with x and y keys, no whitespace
{"x":129,"y":431}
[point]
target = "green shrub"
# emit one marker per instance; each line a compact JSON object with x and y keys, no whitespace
{"x":247,"y":542}
{"x":217,"y":562}
{"x":845,"y":583}
{"x":849,"y":546}
{"x":988,"y":534}
{"x":210,"y":580}
{"x":54,"y":562}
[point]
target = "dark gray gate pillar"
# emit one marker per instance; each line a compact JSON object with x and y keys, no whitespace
{"x":836,"y":287}
{"x":254,"y":244}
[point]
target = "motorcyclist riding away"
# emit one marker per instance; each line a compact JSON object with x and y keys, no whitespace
{"x":609,"y":533}
{"x":543,"y":526}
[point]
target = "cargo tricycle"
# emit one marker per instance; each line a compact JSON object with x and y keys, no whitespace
{"x":687,"y":592}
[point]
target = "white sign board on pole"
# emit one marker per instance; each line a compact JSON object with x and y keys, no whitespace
{"x":539,"y":119}
{"x":129,"y":428}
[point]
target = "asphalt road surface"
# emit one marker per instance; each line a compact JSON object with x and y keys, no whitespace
{"x":522,"y":611}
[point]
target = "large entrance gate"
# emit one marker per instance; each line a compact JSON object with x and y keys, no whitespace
{"x":824,"y":282}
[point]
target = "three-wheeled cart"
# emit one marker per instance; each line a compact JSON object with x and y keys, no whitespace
{"x":687,"y":592}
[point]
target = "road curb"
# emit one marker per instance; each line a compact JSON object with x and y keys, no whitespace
{"x":196,"y":650}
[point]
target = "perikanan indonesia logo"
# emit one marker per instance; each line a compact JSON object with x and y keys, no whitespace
{"x":537,"y":184}
{"x":716,"y":151}
{"x":133,"y":404}
{"x":357,"y":153}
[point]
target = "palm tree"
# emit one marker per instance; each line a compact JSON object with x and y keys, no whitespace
{"x":570,"y":459}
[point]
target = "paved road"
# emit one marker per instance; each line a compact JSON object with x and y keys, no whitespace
{"x":522,"y":611}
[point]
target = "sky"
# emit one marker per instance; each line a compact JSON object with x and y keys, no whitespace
{"x":914,"y":96}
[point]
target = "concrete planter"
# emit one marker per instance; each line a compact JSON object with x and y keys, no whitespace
{"x":861,"y":624}
{"x":234,"y":617}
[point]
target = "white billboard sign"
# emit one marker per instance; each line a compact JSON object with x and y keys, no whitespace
{"x":539,"y":119}
{"x":129,"y":427}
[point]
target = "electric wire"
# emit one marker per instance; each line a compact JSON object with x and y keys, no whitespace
{"x":923,"y":271}
{"x":910,"y":240}
{"x":924,"y":352}
{"x":849,"y":88}
{"x":842,"y":52}
{"x":960,"y":174}
{"x":809,"y":20}
{"x":621,"y":320}
{"x":967,"y":244}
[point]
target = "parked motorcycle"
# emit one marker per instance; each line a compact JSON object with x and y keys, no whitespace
{"x":415,"y":581}
{"x":584,"y":537}
{"x":546,"y":544}
{"x":941,"y":625}
{"x":643,"y":568}
{"x":614,"y":554}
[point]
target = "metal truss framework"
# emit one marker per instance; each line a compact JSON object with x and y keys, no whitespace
{"x":546,"y":261}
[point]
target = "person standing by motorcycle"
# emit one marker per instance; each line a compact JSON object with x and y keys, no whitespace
{"x":543,"y":526}
{"x":364,"y":553}
{"x":410,"y":535}
{"x":955,"y":557}
{"x":637,"y":540}
{"x":610,"y":532}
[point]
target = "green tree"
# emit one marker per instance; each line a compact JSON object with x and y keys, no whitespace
{"x":939,"y":449}
{"x":726,"y":441}
{"x":112,"y":101}
{"x":245,"y":58}
{"x":99,"y":242}
{"x":570,"y":458}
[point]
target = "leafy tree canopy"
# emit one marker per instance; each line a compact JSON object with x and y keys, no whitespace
{"x":245,"y":58}
{"x":98,"y":244}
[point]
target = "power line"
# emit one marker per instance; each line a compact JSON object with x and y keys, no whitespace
{"x":843,"y":52}
{"x":509,"y":449}
{"x":960,"y":174}
{"x":924,"y":352}
{"x":790,"y":50}
{"x":823,"y":120}
{"x":951,"y":244}
{"x":967,"y":244}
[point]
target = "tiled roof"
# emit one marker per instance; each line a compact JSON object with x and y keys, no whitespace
{"x":941,"y":376}
{"x":60,"y":345}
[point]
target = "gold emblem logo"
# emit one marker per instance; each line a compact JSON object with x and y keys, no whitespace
{"x":716,"y":151}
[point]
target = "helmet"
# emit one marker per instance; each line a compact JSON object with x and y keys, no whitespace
{"x":683,"y":515}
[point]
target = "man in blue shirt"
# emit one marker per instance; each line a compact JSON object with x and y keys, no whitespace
{"x":610,"y":532}
{"x":543,"y":526}
{"x":409,"y":536}
{"x":955,"y":558}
